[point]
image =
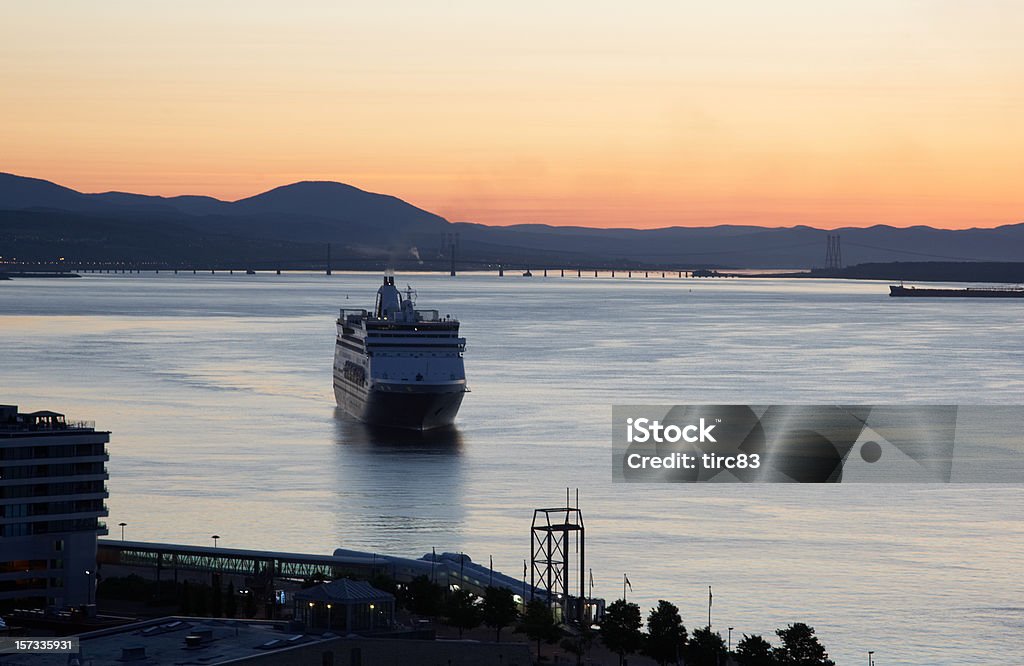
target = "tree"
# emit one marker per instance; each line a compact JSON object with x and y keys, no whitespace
{"x":620,"y":629}
{"x":216,"y":597}
{"x":250,"y":604}
{"x":186,"y":599}
{"x":463,"y":611}
{"x":755,"y":651}
{"x":705,"y":648}
{"x":312,"y":581}
{"x":539,"y":624}
{"x":800,"y":647}
{"x":385,"y":583}
{"x":500,"y":609}
{"x":230,"y":601}
{"x":580,"y":643}
{"x":200,"y":596}
{"x":422,"y":596}
{"x":666,"y":635}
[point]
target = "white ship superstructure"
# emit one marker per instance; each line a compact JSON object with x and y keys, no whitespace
{"x":399,"y":366}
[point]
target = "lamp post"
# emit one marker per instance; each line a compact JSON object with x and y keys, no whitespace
{"x":870,"y":660}
{"x":121,"y":525}
{"x":88,"y":577}
{"x":215,"y":537}
{"x":730,"y":640}
{"x":372,"y":616}
{"x":328,"y":617}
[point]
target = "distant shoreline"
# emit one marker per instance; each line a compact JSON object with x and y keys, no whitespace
{"x":925,"y":271}
{"x":37,"y":274}
{"x":917,"y":271}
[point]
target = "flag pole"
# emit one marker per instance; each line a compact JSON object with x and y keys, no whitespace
{"x":524,"y":584}
{"x":590,"y":599}
{"x":709,"y":607}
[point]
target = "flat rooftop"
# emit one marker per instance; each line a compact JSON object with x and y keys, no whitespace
{"x":164,"y":642}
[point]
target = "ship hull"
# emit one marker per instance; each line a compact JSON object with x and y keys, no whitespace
{"x":401,"y":406}
{"x":897,"y":291}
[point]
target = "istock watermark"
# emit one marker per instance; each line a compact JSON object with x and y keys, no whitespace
{"x":643,"y":430}
{"x":817,"y":444}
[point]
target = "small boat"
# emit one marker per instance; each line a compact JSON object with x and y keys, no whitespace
{"x":969,"y":292}
{"x":527,"y":273}
{"x":250,"y":272}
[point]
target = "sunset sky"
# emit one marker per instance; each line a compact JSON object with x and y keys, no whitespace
{"x":572,"y":112}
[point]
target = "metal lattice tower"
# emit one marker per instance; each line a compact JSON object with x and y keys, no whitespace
{"x":550,"y":544}
{"x":833,"y":253}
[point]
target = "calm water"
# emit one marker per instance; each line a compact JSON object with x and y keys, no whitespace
{"x":218,"y":393}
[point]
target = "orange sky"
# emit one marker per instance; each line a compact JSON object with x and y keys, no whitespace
{"x":590,"y":113}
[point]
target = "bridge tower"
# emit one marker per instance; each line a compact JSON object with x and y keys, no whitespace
{"x":833,"y":253}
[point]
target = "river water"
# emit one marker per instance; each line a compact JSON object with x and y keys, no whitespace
{"x":217,"y":390}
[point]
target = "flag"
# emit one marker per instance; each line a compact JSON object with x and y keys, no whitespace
{"x":709,"y":596}
{"x":591,"y":579}
{"x":524,"y":569}
{"x":625,"y":579}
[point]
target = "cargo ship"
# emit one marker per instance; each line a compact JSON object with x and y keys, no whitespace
{"x":969,"y":292}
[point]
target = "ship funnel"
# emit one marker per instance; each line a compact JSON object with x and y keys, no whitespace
{"x":389,"y":300}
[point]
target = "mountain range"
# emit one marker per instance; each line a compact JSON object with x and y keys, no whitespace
{"x":289,"y":226}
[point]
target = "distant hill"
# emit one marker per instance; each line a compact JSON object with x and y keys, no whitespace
{"x":305,"y":212}
{"x":19,"y":192}
{"x":364,"y":226}
{"x":337,"y":201}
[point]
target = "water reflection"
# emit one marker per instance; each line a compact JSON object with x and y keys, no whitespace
{"x":398,"y":491}
{"x":354,"y":433}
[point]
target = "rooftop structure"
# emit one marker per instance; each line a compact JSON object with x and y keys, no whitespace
{"x":346,"y":606}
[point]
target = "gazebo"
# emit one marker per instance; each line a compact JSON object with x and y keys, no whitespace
{"x":345,"y":605}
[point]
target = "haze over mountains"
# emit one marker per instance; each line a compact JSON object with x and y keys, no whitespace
{"x":290,"y":226}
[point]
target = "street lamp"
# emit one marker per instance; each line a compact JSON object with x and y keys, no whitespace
{"x":328,"y":616}
{"x":730,"y":640}
{"x":121,"y":525}
{"x":870,"y":660}
{"x":88,"y":575}
{"x":215,"y":537}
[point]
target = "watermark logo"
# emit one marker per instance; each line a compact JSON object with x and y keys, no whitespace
{"x":817,"y":443}
{"x":644,"y":430}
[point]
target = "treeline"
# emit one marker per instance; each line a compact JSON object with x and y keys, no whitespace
{"x":193,"y":599}
{"x":668,"y":642}
{"x":930,"y":271}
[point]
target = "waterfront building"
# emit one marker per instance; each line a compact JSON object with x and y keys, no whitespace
{"x":52,"y":490}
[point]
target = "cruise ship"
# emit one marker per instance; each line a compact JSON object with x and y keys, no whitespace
{"x":399,"y":366}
